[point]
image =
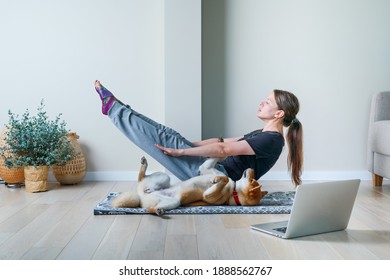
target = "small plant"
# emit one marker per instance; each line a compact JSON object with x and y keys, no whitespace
{"x":36,"y":140}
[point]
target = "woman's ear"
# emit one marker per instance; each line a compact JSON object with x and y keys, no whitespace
{"x":279,"y":114}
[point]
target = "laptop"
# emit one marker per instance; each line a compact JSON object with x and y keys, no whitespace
{"x":317,"y":208}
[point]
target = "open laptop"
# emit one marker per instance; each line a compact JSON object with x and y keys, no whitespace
{"x":317,"y":208}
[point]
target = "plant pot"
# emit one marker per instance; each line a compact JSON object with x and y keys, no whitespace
{"x":36,"y":178}
{"x":13,"y":176}
{"x":73,"y":171}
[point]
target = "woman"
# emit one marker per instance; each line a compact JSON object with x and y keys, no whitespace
{"x":259,"y":149}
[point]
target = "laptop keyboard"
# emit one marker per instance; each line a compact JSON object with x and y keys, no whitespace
{"x":281,"y":229}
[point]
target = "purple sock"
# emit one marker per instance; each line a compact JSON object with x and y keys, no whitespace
{"x":103,"y":92}
{"x":107,"y":98}
{"x":107,"y":104}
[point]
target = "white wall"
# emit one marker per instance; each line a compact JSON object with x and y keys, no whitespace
{"x":56,"y":49}
{"x":183,"y":67}
{"x":332,"y":54}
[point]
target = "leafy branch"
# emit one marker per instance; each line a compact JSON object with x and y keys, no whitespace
{"x":36,"y":140}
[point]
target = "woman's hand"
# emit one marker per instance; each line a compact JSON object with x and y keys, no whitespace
{"x":170,"y":151}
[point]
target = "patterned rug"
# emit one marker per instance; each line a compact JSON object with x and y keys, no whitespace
{"x":272,"y":203}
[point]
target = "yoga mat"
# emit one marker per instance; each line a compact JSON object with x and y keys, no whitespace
{"x":272,"y":203}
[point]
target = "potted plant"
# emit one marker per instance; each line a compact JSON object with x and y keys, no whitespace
{"x":12,"y":177}
{"x":36,"y":143}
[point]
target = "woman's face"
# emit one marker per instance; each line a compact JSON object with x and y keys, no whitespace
{"x":268,"y":108}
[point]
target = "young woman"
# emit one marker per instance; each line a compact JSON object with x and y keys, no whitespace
{"x":259,"y":149}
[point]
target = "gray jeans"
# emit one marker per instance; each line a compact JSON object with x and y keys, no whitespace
{"x":145,"y":132}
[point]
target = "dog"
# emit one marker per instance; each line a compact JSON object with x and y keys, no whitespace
{"x":155,"y":192}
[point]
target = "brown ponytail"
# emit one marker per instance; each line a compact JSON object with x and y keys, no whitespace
{"x":289,"y":103}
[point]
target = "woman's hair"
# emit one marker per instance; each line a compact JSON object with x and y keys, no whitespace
{"x":289,"y":103}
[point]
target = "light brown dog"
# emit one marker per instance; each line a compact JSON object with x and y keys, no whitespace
{"x":155,"y":192}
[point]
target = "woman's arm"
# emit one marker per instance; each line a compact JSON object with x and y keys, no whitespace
{"x":216,"y":140}
{"x":216,"y":149}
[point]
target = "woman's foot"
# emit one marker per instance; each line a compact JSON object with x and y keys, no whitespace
{"x":108,"y":99}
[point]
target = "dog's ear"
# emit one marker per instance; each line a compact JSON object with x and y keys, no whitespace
{"x":262,"y":193}
{"x":253,"y":183}
{"x":254,"y":193}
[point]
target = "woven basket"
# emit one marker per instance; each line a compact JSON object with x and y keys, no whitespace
{"x":9,"y":175}
{"x":73,"y":171}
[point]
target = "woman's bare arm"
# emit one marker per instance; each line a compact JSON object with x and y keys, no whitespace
{"x":216,"y":140}
{"x":216,"y":149}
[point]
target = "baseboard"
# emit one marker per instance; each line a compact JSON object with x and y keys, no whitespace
{"x":320,"y":175}
{"x":108,"y":176}
{"x":272,"y":175}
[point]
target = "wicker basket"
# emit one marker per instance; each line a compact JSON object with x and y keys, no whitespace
{"x":72,"y":172}
{"x":9,"y":175}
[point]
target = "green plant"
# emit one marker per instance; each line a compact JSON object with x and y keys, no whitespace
{"x":36,"y":140}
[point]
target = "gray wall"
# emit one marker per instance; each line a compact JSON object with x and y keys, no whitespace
{"x":334,"y":55}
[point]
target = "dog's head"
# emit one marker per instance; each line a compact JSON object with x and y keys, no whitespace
{"x":248,"y":189}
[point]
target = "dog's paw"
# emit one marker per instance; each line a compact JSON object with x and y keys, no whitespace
{"x":159,"y":212}
{"x":144,"y":161}
{"x":216,"y":179}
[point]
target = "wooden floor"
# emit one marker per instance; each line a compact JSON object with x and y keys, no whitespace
{"x":59,"y":224}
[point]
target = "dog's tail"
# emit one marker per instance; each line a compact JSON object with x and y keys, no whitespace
{"x":128,"y":199}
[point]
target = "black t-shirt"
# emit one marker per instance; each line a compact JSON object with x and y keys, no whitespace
{"x":267,"y":146}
